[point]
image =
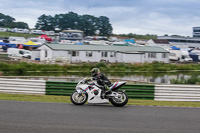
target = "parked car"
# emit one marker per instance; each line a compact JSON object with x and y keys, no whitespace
{"x":180,"y":55}
{"x":14,"y":52}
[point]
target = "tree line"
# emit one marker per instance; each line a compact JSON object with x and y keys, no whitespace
{"x":9,"y":22}
{"x":90,"y":24}
{"x":136,"y":36}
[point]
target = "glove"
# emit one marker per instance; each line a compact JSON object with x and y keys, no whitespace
{"x":88,"y":79}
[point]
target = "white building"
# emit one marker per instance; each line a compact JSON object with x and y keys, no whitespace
{"x":182,"y":42}
{"x":71,"y":35}
{"x":97,"y":53}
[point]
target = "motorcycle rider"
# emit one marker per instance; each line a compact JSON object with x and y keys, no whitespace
{"x":101,"y":79}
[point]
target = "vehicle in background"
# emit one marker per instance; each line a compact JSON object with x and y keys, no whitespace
{"x":180,"y":56}
{"x":195,"y":55}
{"x":3,"y":29}
{"x":17,"y":40}
{"x":18,"y":30}
{"x":50,"y":33}
{"x":14,"y":52}
{"x":38,"y":32}
{"x":113,"y":39}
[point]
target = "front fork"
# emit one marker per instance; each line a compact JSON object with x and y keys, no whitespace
{"x":81,"y":92}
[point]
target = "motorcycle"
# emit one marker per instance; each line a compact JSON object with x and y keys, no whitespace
{"x":91,"y":91}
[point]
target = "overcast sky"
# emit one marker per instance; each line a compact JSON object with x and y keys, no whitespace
{"x":158,"y":17}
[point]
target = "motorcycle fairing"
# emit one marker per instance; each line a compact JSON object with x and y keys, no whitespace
{"x":92,"y":98}
{"x":88,"y":88}
{"x":117,"y":85}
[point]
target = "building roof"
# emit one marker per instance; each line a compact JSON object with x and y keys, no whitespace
{"x":160,"y":41}
{"x":178,"y":38}
{"x":126,"y":49}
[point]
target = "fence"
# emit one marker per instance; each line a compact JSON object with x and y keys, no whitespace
{"x":60,"y":88}
{"x":177,"y":92}
{"x":134,"y":91}
{"x":139,"y":91}
{"x":22,"y":86}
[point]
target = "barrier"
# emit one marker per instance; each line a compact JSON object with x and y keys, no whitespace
{"x":139,"y":91}
{"x":134,"y":91}
{"x":177,"y":92}
{"x":60,"y":88}
{"x":22,"y":86}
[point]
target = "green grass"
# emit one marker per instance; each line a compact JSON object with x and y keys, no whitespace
{"x":112,"y":68}
{"x":163,"y":103}
{"x":66,"y":99}
{"x":9,"y":34}
{"x":35,"y":98}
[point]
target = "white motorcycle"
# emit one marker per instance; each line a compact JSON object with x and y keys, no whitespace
{"x":91,"y":91}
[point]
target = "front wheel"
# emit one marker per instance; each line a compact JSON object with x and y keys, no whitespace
{"x":121,"y":100}
{"x":78,"y":99}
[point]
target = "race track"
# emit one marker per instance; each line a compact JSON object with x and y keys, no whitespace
{"x":33,"y":117}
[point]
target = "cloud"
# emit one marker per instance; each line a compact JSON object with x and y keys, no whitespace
{"x":126,"y":16}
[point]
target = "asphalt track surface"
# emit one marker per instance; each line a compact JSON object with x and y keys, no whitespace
{"x":34,"y":117}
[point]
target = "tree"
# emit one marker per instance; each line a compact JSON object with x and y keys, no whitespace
{"x":9,"y":22}
{"x":104,"y":26}
{"x":67,"y":21}
{"x":136,"y":36}
{"x":20,"y":25}
{"x":88,"y":24}
{"x":5,"y":20}
{"x":46,"y":23}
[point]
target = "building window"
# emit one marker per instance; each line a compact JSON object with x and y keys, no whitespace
{"x":104,"y":54}
{"x":75,"y":53}
{"x":46,"y":54}
{"x":112,"y":54}
{"x":88,"y":54}
{"x":152,"y":55}
{"x":164,"y":55}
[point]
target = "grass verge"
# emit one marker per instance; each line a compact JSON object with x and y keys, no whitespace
{"x":66,"y":99}
{"x":9,"y":34}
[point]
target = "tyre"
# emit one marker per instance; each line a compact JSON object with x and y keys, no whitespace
{"x":121,"y":101}
{"x":78,"y":99}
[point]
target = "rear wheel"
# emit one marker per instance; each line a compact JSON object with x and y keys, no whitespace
{"x":78,"y":99}
{"x":121,"y":100}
